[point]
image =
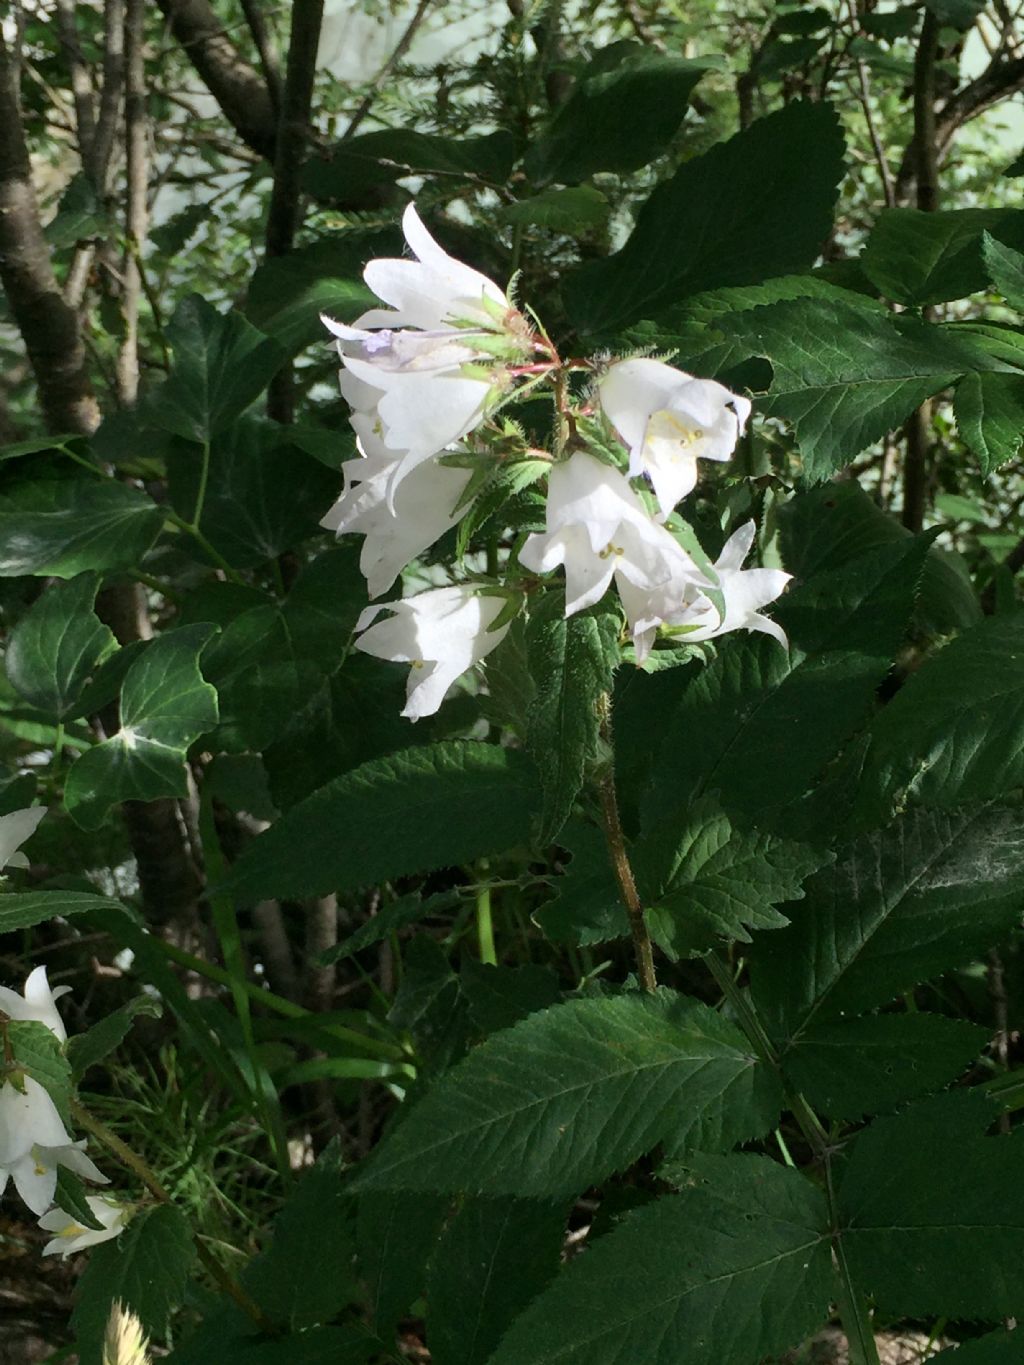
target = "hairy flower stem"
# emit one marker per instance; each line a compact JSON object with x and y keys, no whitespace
{"x":620,"y":862}
{"x":135,"y":1163}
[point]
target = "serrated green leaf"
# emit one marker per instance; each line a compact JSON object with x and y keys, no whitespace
{"x":919,"y":259}
{"x":221,"y":365}
{"x":499,"y":996}
{"x":959,"y":14}
{"x":492,"y":1259}
{"x":845,"y":375}
{"x":217,"y":1343}
{"x":86,"y":1049}
{"x":54,"y":648}
{"x":735,"y":1268}
{"x":1005,"y":265}
{"x":166,"y":704}
{"x":571,"y":662}
{"x":851,"y":1067}
{"x":955,"y":731}
{"x":572,"y":1094}
{"x":710,"y":880}
{"x":62,"y":527}
{"x":989,"y":410}
{"x":572,"y":210}
{"x":769,"y":721}
{"x":37,"y":1051}
{"x":897,"y":907}
{"x":307,"y":1275}
{"x":616,"y":120}
{"x":146,"y":1269}
{"x":23,"y":909}
{"x":438,"y":806}
{"x":932,"y":1212}
{"x":724,"y":218}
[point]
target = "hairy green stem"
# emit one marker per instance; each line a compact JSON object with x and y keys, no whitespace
{"x":616,"y":840}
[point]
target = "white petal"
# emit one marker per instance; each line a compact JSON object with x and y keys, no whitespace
{"x":35,"y":1182}
{"x":27,"y":1120}
{"x":15,"y":829}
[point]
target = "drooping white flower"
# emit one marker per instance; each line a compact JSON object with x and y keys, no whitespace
{"x":34,"y":1142}
{"x":396,"y":530}
{"x":71,"y":1236}
{"x":669,"y":420}
{"x":39,"y":1002}
{"x":441,"y":633}
{"x":744,"y":591}
{"x":419,"y":391}
{"x":598,"y":528}
{"x":15,"y":828}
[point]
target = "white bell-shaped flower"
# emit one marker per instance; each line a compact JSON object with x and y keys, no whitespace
{"x":71,"y":1236}
{"x":34,"y":1142}
{"x":692,"y":618}
{"x":669,"y":420}
{"x":598,"y":529}
{"x":441,"y":633}
{"x":399,"y":528}
{"x":420,"y":391}
{"x":39,"y":1002}
{"x":15,"y":829}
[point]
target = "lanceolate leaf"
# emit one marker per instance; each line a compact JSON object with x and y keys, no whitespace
{"x":394,"y":1237}
{"x":165,"y":705}
{"x":724,"y":218}
{"x":437,"y":806}
{"x":54,"y":648}
{"x":494,"y":1257}
{"x":898,"y":907}
{"x":577,"y":1092}
{"x":932,"y":1212}
{"x":23,"y":909}
{"x":712,"y":880}
{"x":955,"y":731}
{"x":38,"y":1052}
{"x":846,"y":1068}
{"x":62,"y":527}
{"x":571,"y":662}
{"x":735,"y":1268}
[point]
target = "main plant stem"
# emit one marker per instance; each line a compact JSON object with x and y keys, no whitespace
{"x":616,"y":840}
{"x":853,"y":1313}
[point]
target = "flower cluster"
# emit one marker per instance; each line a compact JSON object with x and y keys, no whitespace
{"x":423,"y":375}
{"x":34,"y":1143}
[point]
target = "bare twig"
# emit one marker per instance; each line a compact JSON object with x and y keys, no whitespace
{"x":401,"y":48}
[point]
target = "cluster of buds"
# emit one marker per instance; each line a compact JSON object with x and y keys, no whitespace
{"x":34,"y":1142}
{"x":426,"y":373}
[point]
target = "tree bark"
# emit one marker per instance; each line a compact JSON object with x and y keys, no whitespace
{"x":237,"y":87}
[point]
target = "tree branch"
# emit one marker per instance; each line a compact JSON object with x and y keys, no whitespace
{"x":237,"y":87}
{"x":284,"y":213}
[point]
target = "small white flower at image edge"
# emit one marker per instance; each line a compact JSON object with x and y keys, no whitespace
{"x":71,"y":1236}
{"x":15,"y":828}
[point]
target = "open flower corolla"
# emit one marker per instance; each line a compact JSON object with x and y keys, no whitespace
{"x":668,"y":420}
{"x":71,"y":1236}
{"x":442,"y":633}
